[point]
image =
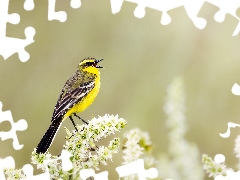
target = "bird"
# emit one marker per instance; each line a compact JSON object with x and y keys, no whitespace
{"x":79,"y":91}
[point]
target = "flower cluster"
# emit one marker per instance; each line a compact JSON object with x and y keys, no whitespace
{"x":214,"y":169}
{"x":137,"y":143}
{"x":81,"y":144}
{"x":86,"y":153}
{"x":237,"y":147}
{"x":183,"y":158}
{"x":132,"y":149}
{"x":12,"y":173}
{"x":177,"y":164}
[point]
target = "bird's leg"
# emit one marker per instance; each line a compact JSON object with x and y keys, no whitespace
{"x":92,"y":149}
{"x":73,"y":123}
{"x":80,"y":118}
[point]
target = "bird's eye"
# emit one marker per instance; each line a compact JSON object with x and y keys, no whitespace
{"x":89,"y":64}
{"x":93,"y":64}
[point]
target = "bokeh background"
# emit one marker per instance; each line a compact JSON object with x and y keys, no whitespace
{"x":141,"y":58}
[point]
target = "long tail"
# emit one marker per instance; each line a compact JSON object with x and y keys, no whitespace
{"x":48,"y":137}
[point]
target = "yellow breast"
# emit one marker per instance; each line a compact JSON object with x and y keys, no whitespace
{"x":86,"y":101}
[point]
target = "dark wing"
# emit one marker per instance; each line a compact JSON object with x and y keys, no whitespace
{"x":68,"y":99}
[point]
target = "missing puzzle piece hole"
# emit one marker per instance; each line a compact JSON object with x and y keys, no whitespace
{"x":22,"y":125}
{"x":139,"y":12}
{"x":66,"y":163}
{"x":7,"y":162}
{"x":151,"y":173}
{"x":219,"y":16}
{"x":30,"y":32}
{"x":116,"y":5}
{"x":23,"y":56}
{"x":219,"y":158}
{"x":13,"y":18}
{"x":28,"y":170}
{"x":29,"y":5}
{"x":75,"y":4}
{"x":166,"y":19}
{"x":200,"y":23}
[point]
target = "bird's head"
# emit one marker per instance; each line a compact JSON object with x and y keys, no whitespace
{"x":90,"y":65}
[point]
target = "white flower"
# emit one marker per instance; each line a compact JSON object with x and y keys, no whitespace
{"x":81,"y":144}
{"x":132,"y":149}
{"x":183,"y":159}
{"x":214,"y":169}
{"x":237,"y":147}
{"x":14,"y":173}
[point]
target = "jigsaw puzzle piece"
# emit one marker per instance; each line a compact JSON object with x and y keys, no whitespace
{"x":139,"y":11}
{"x":66,"y":163}
{"x":7,"y":162}
{"x":20,"y":125}
{"x":227,"y":26}
{"x":137,"y":167}
{"x":5,"y":17}
{"x":66,"y":166}
{"x":9,"y":45}
{"x":231,"y":175}
{"x":116,"y":6}
{"x":224,"y":12}
{"x":164,"y":7}
{"x":227,"y":133}
{"x":236,"y":89}
{"x":75,"y":4}
{"x":28,"y":171}
{"x":226,"y":7}
{"x":53,"y":15}
{"x":192,"y":8}
{"x":86,"y":173}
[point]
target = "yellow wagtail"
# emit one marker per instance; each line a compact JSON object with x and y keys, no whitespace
{"x":78,"y":93}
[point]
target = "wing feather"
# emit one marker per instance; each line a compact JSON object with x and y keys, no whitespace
{"x":68,"y":99}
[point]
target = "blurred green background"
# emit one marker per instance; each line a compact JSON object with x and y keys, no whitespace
{"x":141,"y":57}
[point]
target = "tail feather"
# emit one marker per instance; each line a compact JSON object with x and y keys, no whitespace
{"x":48,"y":137}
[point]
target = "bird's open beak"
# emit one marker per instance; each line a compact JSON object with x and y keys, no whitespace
{"x":97,"y":61}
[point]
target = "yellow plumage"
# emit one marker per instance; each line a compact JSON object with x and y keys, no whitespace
{"x":86,"y":101}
